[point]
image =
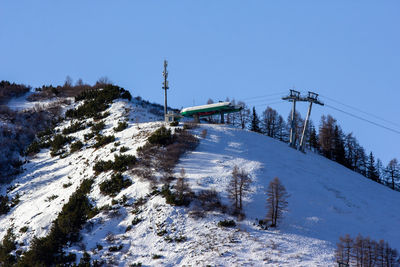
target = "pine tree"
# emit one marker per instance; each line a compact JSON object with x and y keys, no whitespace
{"x":338,"y":146}
{"x":313,"y":139}
{"x":350,"y":145}
{"x":371,"y":168}
{"x":255,"y":122}
{"x":361,"y":157}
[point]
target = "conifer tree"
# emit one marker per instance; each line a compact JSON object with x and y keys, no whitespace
{"x":338,"y":143}
{"x":255,"y":122}
{"x":372,"y":173}
{"x":313,"y":138}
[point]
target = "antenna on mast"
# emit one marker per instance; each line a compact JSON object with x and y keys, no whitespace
{"x":165,"y":87}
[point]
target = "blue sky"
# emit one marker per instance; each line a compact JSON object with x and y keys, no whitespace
{"x":345,"y":50}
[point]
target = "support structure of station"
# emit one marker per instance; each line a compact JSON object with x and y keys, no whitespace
{"x":294,"y":96}
{"x":311,"y":98}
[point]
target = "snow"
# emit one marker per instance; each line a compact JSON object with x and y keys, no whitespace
{"x":326,"y":201}
{"x":21,"y":103}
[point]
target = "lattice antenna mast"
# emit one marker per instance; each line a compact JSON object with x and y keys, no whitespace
{"x":293,"y":97}
{"x":312,"y":98}
{"x":165,"y":87}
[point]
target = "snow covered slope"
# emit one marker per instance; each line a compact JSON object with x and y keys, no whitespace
{"x":326,"y":201}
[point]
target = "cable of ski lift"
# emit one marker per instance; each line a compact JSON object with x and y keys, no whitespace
{"x":363,"y":119}
{"x":359,"y":110}
{"x":267,"y":95}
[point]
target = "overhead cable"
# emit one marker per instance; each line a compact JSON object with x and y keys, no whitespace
{"x":367,"y":113}
{"x":273,"y":94}
{"x":363,"y":119}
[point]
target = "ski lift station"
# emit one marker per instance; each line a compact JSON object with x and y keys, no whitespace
{"x":211,"y":109}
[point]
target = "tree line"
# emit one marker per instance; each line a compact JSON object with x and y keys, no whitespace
{"x":9,"y":90}
{"x":328,"y":139}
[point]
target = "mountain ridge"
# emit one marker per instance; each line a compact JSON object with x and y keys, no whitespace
{"x":326,"y":201}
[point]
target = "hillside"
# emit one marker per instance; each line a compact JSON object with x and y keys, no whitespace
{"x":326,"y":201}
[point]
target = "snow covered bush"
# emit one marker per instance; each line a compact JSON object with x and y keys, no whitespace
{"x":58,"y":142}
{"x":97,"y":101}
{"x":210,"y":200}
{"x":162,"y":137}
{"x":48,"y":250}
{"x":103,"y":140}
{"x":227,"y":223}
{"x":162,"y":152}
{"x":73,"y":128}
{"x":123,"y":149}
{"x":6,"y":247}
{"x":113,"y":186}
{"x":121,"y":126}
{"x":121,"y":163}
{"x":97,"y":127}
{"x":4,"y":205}
{"x":76,"y":146}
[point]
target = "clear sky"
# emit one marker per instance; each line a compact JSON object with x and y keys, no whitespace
{"x":346,"y":50}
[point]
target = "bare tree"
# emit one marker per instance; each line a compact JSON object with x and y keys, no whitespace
{"x":238,"y":188}
{"x":102,"y":81}
{"x":344,"y":248}
{"x":244,"y":114}
{"x":79,"y":82}
{"x":326,"y":135}
{"x":269,"y":122}
{"x":233,"y":188}
{"x":362,"y":251}
{"x":182,"y":188}
{"x":276,"y":201}
{"x":68,"y":81}
{"x":244,"y":186}
{"x":392,"y":173}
